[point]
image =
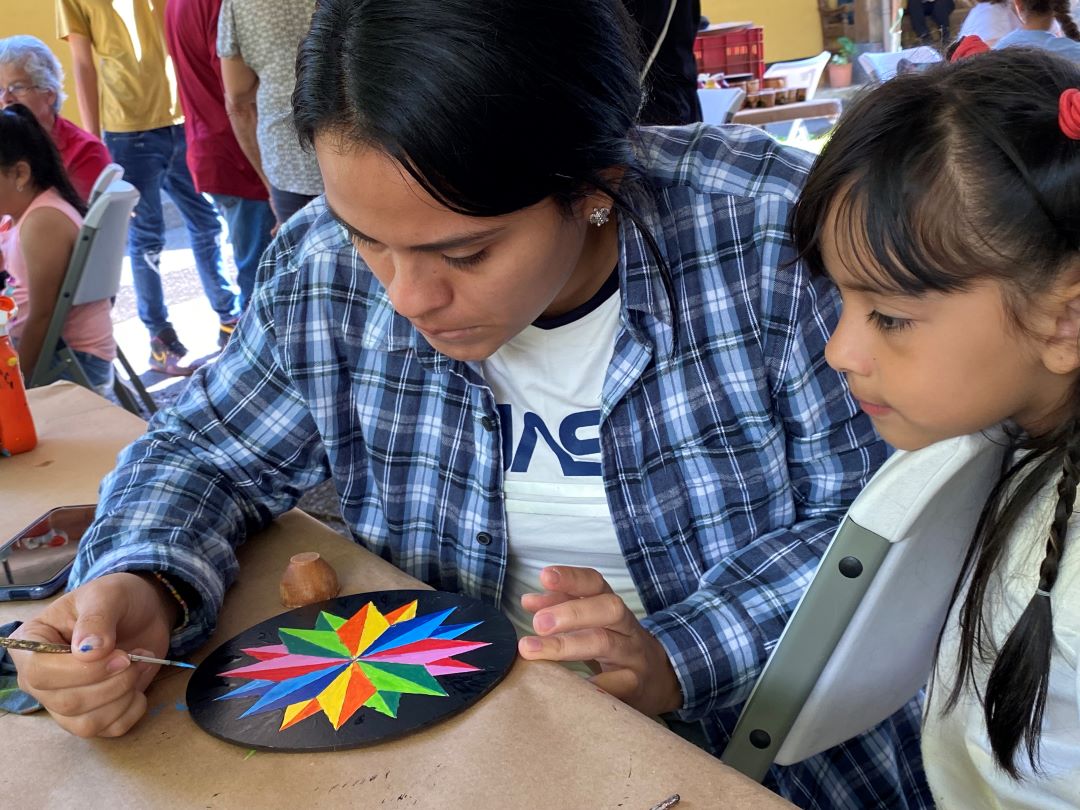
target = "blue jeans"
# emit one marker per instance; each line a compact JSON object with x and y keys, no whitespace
{"x":155,"y":160}
{"x":98,"y":371}
{"x":250,"y":223}
{"x":287,"y":203}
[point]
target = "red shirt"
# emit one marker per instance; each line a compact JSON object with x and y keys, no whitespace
{"x":215,"y":159}
{"x":84,"y":155}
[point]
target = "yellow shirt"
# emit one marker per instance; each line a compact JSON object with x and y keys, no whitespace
{"x":135,"y":73}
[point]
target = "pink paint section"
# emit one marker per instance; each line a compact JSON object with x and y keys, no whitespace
{"x":422,"y":652}
{"x":448,"y":666}
{"x":283,"y":667}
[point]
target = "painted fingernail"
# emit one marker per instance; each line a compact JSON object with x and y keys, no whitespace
{"x":531,"y":644}
{"x":545,"y":622}
{"x":89,"y":643}
{"x":117,"y":663}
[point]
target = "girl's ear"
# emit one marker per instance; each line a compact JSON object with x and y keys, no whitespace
{"x":23,"y":175}
{"x":1061,"y":354}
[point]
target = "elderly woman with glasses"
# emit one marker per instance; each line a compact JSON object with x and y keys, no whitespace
{"x":30,"y":74}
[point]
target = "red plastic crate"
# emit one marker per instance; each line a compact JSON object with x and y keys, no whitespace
{"x":731,"y":51}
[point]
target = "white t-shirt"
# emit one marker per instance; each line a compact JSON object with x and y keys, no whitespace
{"x":956,"y":750}
{"x":990,"y":21}
{"x":547,"y":385}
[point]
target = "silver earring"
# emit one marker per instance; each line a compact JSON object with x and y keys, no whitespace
{"x":599,"y":216}
{"x":19,"y":189}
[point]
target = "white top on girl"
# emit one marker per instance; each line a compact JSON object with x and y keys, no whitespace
{"x":956,"y":751}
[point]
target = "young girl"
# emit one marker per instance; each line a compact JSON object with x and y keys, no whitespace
{"x":946,"y":208}
{"x":1038,"y":18}
{"x":47,"y":212}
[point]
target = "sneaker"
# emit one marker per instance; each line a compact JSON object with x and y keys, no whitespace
{"x":166,"y":352}
{"x":225,"y":330}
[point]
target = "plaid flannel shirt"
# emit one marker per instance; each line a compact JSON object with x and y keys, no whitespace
{"x":730,"y":449}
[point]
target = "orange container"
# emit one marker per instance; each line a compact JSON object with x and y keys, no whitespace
{"x":17,"y":434}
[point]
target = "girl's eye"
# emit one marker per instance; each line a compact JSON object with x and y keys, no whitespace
{"x":887,"y":323}
{"x":466,"y":261}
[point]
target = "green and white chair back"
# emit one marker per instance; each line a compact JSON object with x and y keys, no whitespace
{"x":93,"y":274}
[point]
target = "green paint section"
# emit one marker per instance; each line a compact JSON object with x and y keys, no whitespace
{"x":313,"y":642}
{"x":385,"y":702}
{"x":411,"y":679}
{"x":328,"y":621}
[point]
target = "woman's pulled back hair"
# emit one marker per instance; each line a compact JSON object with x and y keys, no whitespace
{"x":23,"y":138}
{"x":491,"y":106}
{"x":934,"y":182}
{"x":1062,"y":11}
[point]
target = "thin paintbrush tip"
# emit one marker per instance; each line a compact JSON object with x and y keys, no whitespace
{"x":146,"y":659}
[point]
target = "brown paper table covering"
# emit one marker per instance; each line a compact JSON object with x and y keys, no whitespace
{"x":543,"y":738}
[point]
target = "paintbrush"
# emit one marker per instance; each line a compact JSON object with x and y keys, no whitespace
{"x":45,"y":647}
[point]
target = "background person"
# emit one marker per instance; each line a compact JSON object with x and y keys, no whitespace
{"x":217,"y":163}
{"x":144,"y":132}
{"x":31,"y":75}
{"x":1038,"y":18}
{"x":47,"y":213}
{"x":257,"y":42}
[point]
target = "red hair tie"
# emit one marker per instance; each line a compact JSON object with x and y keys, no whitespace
{"x":1069,"y":113}
{"x":969,"y":46}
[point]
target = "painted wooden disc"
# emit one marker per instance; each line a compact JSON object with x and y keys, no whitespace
{"x":352,"y":671}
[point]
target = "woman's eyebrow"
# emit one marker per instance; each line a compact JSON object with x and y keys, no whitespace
{"x":427,"y":247}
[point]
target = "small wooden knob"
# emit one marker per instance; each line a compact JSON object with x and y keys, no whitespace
{"x":308,"y":578}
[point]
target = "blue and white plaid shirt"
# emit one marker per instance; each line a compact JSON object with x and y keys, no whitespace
{"x":730,"y":449}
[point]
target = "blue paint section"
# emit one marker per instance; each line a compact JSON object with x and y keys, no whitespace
{"x":248,"y":689}
{"x":407,"y":632}
{"x":454,"y":630}
{"x":296,"y":690}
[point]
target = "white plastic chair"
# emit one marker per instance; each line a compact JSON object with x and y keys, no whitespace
{"x":93,"y":274}
{"x":801,"y":73}
{"x":862,"y":640}
{"x":114,"y":171}
{"x":719,"y":104}
{"x":881,"y":67}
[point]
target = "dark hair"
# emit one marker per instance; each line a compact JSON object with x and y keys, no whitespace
{"x":23,"y":138}
{"x":1061,"y":10}
{"x":491,"y":107}
{"x":937,"y":181}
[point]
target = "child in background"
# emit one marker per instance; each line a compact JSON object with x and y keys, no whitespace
{"x":946,"y":208}
{"x":47,"y":213}
{"x":1039,"y":17}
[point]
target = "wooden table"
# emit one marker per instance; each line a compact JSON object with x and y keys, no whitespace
{"x":543,"y":738}
{"x":815,"y":108}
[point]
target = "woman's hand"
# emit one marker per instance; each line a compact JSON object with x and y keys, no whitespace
{"x":579,"y":618}
{"x":97,"y":691}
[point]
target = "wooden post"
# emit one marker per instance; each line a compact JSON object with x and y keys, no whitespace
{"x":872,"y":21}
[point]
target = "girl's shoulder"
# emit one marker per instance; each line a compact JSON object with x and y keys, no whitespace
{"x":49,"y":206}
{"x":49,"y":224}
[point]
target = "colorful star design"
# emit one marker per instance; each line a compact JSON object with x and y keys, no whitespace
{"x":368,"y":659}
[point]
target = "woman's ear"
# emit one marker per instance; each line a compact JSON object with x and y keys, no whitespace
{"x":597,"y":199}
